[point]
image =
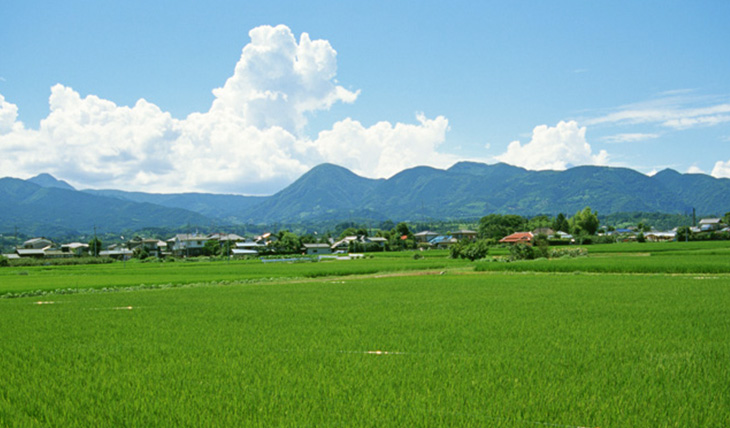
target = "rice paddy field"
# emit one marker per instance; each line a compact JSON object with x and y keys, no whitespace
{"x":632,"y":335}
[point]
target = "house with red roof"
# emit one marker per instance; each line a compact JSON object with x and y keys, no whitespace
{"x":518,"y":238}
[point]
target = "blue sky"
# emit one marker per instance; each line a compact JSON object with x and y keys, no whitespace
{"x":375,"y":87}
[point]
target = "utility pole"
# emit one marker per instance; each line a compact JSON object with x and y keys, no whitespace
{"x":96,"y":244}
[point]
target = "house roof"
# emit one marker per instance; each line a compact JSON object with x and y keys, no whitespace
{"x":316,"y":245}
{"x":119,"y":252}
{"x":239,"y":252}
{"x":464,"y":232}
{"x":190,"y":237}
{"x":711,"y":221}
{"x":74,"y":245}
{"x":440,"y":239}
{"x":545,"y":230}
{"x":30,"y":252}
{"x":249,"y":245}
{"x":34,"y":240}
{"x":517,"y":237}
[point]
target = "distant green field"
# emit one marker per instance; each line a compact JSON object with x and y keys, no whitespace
{"x":664,"y":257}
{"x":32,"y":280}
{"x":390,"y":341}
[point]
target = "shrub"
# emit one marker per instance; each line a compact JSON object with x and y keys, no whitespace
{"x":470,"y":250}
{"x":61,"y":262}
{"x":4,"y":261}
{"x":572,"y":252}
{"x":521,"y":252}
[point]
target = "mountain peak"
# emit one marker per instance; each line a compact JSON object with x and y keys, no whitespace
{"x":47,"y":180}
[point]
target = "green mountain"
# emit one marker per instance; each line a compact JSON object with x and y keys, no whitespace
{"x":47,"y":180}
{"x":332,"y":193}
{"x":225,"y":208}
{"x":325,"y":192}
{"x":54,"y":211}
{"x":471,"y":190}
{"x":706,"y":193}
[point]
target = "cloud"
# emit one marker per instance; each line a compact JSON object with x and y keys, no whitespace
{"x":383,"y":149}
{"x":557,"y":148}
{"x":691,"y":122}
{"x":629,"y":138}
{"x":674,"y":109}
{"x":277,"y":80}
{"x":694,"y":169}
{"x":8,"y":115}
{"x":247,"y":142}
{"x":721,"y":169}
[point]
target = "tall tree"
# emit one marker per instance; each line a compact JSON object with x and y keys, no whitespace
{"x":497,"y":226}
{"x":561,"y":223}
{"x":585,"y":222}
{"x":94,"y":246}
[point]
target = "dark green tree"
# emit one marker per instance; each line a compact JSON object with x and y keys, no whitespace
{"x":540,"y":245}
{"x":288,"y":243}
{"x":521,"y":252}
{"x":402,"y":229}
{"x":140,"y":253}
{"x":211,"y":248}
{"x":561,"y":223}
{"x":95,"y":246}
{"x":472,"y":250}
{"x":497,"y":226}
{"x":585,"y":222}
{"x":684,"y":233}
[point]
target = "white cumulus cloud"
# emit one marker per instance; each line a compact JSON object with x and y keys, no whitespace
{"x":721,"y":169}
{"x":8,"y":115}
{"x":249,"y":141}
{"x":384,"y":149}
{"x":557,"y":148}
{"x":277,"y":80}
{"x":694,"y":169}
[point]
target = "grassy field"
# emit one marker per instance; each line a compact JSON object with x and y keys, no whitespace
{"x":664,"y":257}
{"x":392,"y":342}
{"x":38,"y":279}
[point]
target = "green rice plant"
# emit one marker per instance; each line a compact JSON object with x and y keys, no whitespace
{"x":454,"y":350}
{"x":648,"y":264}
{"x":38,"y":279}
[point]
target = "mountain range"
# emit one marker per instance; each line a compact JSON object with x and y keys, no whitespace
{"x":329,"y":192}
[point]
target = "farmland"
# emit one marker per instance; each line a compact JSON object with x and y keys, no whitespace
{"x":388,"y":340}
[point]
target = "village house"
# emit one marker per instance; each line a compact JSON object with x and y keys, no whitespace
{"x":518,"y":238}
{"x":443,"y":242}
{"x":187,"y":245}
{"x":317,"y":249}
{"x":37,"y":244}
{"x":344,"y":243}
{"x":464,"y":234}
{"x":78,"y":249}
{"x":710,"y":224}
{"x":247,"y":248}
{"x":425,"y":236}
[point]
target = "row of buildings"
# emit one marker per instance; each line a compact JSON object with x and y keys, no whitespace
{"x":194,"y":244}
